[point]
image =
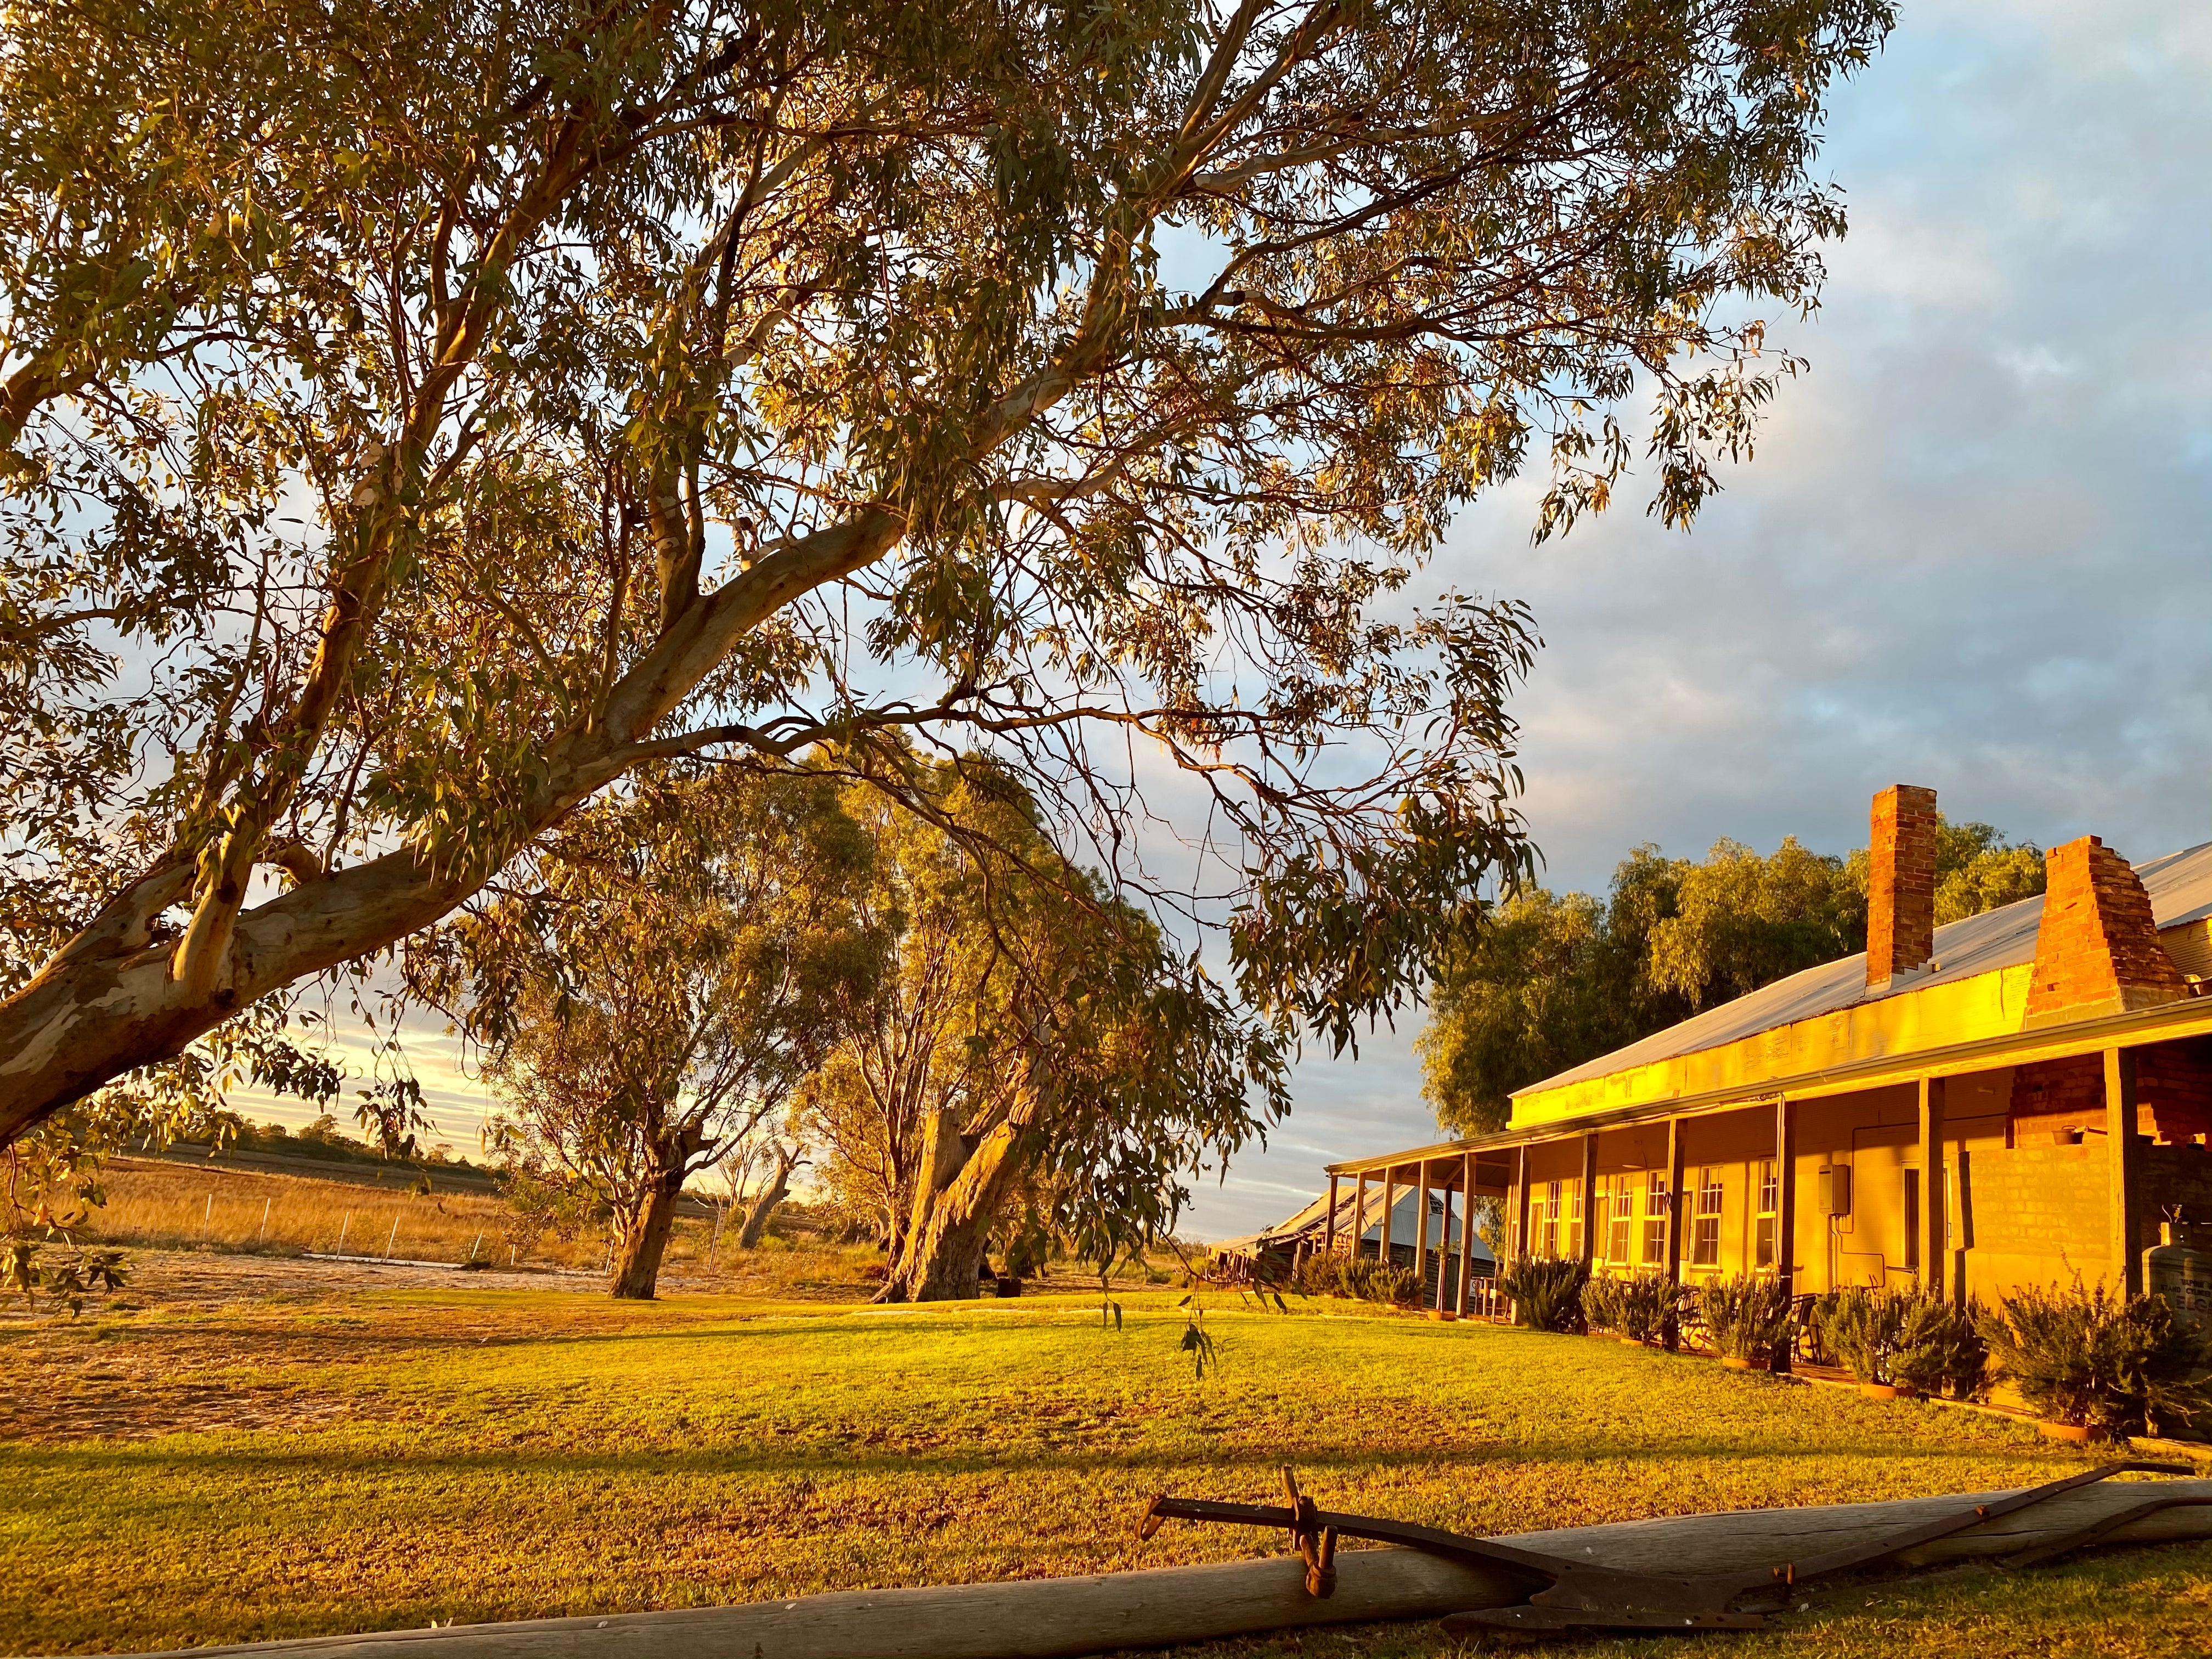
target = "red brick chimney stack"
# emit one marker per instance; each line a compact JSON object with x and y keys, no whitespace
{"x":2097,"y":950}
{"x":1901,"y":884}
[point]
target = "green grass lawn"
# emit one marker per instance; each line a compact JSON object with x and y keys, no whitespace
{"x":367,"y":1458}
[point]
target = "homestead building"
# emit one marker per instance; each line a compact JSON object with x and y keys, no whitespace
{"x":1999,"y":1102}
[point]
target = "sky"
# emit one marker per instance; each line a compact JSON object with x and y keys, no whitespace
{"x":1969,"y":552}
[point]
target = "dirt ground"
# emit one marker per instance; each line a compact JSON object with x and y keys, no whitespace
{"x":67,"y":1379}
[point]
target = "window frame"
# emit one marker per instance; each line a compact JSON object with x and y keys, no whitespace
{"x":1619,"y":1218}
{"x":1767,"y":1214}
{"x":1657,"y":1209}
{"x":1711,"y":1201}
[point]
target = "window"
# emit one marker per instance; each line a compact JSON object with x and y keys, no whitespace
{"x":1576,"y":1221}
{"x":1620,"y":1220}
{"x":1548,"y":1221}
{"x":1705,"y":1238}
{"x":1770,"y":1198}
{"x":1654,"y":1220}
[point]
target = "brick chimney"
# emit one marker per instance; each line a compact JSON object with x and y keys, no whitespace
{"x":2096,"y":950}
{"x":1900,"y":885}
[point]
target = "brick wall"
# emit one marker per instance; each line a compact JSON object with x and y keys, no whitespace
{"x":2054,"y":1101}
{"x":2042,"y":1201}
{"x":2174,"y":1089}
{"x":2176,"y":1177}
{"x":1901,"y":882}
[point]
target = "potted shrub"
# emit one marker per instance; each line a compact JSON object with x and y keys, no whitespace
{"x":1644,"y":1303}
{"x":1601,"y":1306}
{"x":1360,"y":1277}
{"x":2091,"y":1362}
{"x":1393,"y":1285}
{"x":1937,"y":1346}
{"x":1747,"y":1318}
{"x":1860,"y":1326}
{"x":1548,"y":1294}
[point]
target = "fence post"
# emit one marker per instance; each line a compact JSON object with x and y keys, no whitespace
{"x":343,"y":1225}
{"x":389,"y":1236}
{"x":265,"y":1203}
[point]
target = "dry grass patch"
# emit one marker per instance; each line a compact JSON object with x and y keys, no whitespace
{"x":159,"y":1205}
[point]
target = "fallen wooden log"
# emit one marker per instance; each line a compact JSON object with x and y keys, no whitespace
{"x":1061,"y":1618}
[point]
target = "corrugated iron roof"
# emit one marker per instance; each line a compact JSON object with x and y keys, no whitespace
{"x":2180,"y":889}
{"x":1312,"y":1221}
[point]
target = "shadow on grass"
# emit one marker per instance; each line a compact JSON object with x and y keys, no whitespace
{"x":1206,"y":1470}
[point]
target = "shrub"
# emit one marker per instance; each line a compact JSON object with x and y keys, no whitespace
{"x":2091,"y":1356}
{"x":1548,"y":1294}
{"x":1902,"y":1337}
{"x":1646,"y":1302}
{"x":1317,"y":1276}
{"x":1748,"y":1318}
{"x":1939,"y":1345}
{"x":1364,"y":1278}
{"x":1397,"y":1287}
{"x":1860,"y":1327}
{"x":1601,"y":1304}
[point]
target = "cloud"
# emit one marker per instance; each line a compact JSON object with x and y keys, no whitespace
{"x":1971,"y":551}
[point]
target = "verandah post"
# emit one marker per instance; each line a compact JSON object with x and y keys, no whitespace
{"x":1465,"y":1229}
{"x":1390,"y":1203}
{"x":1359,"y":1214}
{"x":2123,"y":1170}
{"x":1673,"y":1200}
{"x":1328,"y":1245}
{"x":1521,"y":1205}
{"x":1674,"y":1335}
{"x":1421,"y":1230}
{"x":1785,"y":1216}
{"x":1586,"y":1201}
{"x":1934,"y":1236}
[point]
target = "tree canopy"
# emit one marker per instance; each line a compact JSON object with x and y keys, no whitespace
{"x":1544,"y":982}
{"x":417,"y":417}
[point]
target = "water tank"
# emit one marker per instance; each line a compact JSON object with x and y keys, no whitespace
{"x":2182,"y":1275}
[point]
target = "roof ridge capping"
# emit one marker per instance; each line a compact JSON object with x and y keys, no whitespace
{"x":2097,"y":948}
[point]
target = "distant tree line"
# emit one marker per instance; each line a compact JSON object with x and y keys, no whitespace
{"x":324,"y":1140}
{"x":1543,"y":982}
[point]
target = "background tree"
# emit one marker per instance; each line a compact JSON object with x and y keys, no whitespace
{"x":1037,"y":1063}
{"x":659,"y":990}
{"x":1741,"y":921}
{"x":780,"y":1159}
{"x":1542,"y":983}
{"x":908,"y":1054}
{"x":420,"y":416}
{"x":1976,"y":869}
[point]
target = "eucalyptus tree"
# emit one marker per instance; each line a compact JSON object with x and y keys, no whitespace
{"x":418,"y":416}
{"x":651,"y":986}
{"x":1036,"y":1061}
